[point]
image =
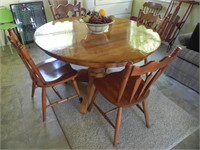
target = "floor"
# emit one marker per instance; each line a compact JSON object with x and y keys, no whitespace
{"x":21,"y":120}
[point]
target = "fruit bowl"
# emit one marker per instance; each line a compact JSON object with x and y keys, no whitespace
{"x":97,"y":22}
{"x":98,"y":28}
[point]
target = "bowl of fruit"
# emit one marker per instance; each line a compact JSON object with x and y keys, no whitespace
{"x":97,"y":22}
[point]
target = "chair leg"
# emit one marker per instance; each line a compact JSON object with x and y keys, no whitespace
{"x":145,"y":61}
{"x":77,"y":89}
{"x":169,"y":46}
{"x":11,"y":48}
{"x":1,"y":44}
{"x":92,"y":100}
{"x":33,"y":89}
{"x":6,"y":41}
{"x":117,"y":125}
{"x":44,"y":103}
{"x":146,"y":113}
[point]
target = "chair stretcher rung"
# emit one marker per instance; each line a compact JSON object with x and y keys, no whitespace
{"x":61,"y":101}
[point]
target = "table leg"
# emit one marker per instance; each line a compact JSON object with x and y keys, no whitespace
{"x":93,"y":73}
{"x":82,"y":75}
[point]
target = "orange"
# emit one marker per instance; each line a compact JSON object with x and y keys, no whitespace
{"x":102,"y":12}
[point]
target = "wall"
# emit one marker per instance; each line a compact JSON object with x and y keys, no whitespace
{"x":190,"y":23}
{"x":118,"y":8}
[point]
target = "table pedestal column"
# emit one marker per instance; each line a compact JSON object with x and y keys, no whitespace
{"x":92,"y":73}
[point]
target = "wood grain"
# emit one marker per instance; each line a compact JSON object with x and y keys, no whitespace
{"x":70,"y":40}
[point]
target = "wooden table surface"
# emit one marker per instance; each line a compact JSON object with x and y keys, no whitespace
{"x":70,"y":40}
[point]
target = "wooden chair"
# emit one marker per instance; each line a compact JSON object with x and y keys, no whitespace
{"x":152,"y":7}
{"x":174,"y":19}
{"x":65,"y":11}
{"x":149,"y":20}
{"x":57,"y":2}
{"x":48,"y":73}
{"x":148,"y":7}
{"x":62,"y":2}
{"x":129,"y":87}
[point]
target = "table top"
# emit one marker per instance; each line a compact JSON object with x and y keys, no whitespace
{"x":70,"y":40}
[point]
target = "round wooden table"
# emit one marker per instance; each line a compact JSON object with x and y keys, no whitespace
{"x":69,"y":40}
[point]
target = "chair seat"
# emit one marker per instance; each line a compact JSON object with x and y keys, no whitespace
{"x":55,"y":71}
{"x":7,"y":26}
{"x":111,"y":92}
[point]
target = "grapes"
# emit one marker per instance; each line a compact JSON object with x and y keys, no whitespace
{"x":96,"y":18}
{"x":99,"y":20}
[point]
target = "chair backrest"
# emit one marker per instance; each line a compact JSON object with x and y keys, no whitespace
{"x":62,"y":2}
{"x":57,"y":2}
{"x":149,"y":20}
{"x":26,"y":58}
{"x":173,"y":22}
{"x":5,"y":15}
{"x":152,"y":7}
{"x":65,"y":11}
{"x":137,"y":80}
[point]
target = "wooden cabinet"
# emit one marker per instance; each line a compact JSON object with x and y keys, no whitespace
{"x":118,"y":8}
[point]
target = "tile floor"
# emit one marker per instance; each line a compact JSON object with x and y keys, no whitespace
{"x":21,"y":120}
